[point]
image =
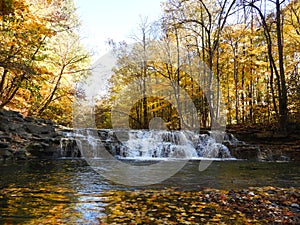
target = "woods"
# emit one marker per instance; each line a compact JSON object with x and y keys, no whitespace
{"x":194,"y":120}
{"x":237,"y":60}
{"x":41,"y":58}
{"x":240,"y":55}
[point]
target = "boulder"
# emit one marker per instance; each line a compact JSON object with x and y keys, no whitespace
{"x":37,"y":137}
{"x":20,"y":154}
{"x":4,"y":124}
{"x":10,"y":113}
{"x":3,"y":145}
{"x":35,"y":149}
{"x":29,"y":119}
{"x":4,"y":136}
{"x":6,"y":153}
{"x":15,"y":127}
{"x":245,"y":152}
{"x":42,"y":149}
{"x":39,"y":130}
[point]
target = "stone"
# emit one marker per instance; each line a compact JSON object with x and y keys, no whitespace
{"x":5,"y":138}
{"x":20,"y":154}
{"x":295,"y":207}
{"x":245,"y":152}
{"x":49,"y":122}
{"x":5,"y":153}
{"x":14,"y":126}
{"x":10,"y":113}
{"x":265,"y":154}
{"x":39,"y":129}
{"x":35,"y":149}
{"x":266,"y":134}
{"x":42,"y":150}
{"x":283,"y":158}
{"x":271,"y":192}
{"x":4,"y":124}
{"x":37,"y":137}
{"x":3,"y":145}
{"x":18,"y":119}
{"x":29,"y":119}
{"x":25,"y":135}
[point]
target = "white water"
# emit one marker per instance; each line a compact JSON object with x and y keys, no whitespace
{"x":153,"y":144}
{"x":176,"y":144}
{"x":157,"y":144}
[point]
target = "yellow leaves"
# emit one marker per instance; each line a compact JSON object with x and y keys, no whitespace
{"x":55,"y":206}
{"x":199,"y":207}
{"x":35,"y":56}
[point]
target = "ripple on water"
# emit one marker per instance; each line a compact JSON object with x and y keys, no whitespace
{"x":70,"y":192}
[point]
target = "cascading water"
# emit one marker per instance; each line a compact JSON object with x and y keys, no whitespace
{"x":153,"y":144}
{"x":157,"y":144}
{"x":176,"y":144}
{"x":70,"y":145}
{"x":69,"y":148}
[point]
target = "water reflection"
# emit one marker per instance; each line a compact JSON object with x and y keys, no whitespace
{"x":70,"y":192}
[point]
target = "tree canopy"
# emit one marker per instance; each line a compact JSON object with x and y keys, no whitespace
{"x":202,"y":61}
{"x":41,"y":57}
{"x":240,"y":55}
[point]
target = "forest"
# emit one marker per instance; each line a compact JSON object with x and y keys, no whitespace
{"x":215,"y":65}
{"x":41,"y":58}
{"x":237,"y":60}
{"x":203,"y":64}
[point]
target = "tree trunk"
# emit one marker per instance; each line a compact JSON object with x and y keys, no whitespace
{"x":283,"y":98}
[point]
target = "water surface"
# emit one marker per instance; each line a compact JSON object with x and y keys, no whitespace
{"x":70,"y":192}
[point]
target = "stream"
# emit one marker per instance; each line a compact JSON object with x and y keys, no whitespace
{"x":69,"y":191}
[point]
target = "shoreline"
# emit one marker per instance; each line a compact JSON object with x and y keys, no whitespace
{"x":26,"y":137}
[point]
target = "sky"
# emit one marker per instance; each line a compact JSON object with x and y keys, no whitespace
{"x":116,"y":19}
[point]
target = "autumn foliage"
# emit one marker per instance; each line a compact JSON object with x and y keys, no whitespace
{"x":41,"y":57}
{"x":251,"y":53}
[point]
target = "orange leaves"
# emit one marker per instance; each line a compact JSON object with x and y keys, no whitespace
{"x":210,"y":206}
{"x":39,"y":63}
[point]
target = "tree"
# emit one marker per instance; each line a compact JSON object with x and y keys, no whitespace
{"x":277,"y":68}
{"x":254,"y":56}
{"x":205,"y":20}
{"x":41,"y":57}
{"x":292,"y":56}
{"x":22,"y":37}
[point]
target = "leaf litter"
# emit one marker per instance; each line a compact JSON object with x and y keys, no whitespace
{"x":260,"y":205}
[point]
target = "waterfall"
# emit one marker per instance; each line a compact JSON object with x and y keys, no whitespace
{"x":160,"y":144}
{"x":69,"y":145}
{"x":157,"y":144}
{"x":69,"y":148}
{"x":146,"y":144}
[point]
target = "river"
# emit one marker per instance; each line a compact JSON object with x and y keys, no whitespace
{"x":69,"y":191}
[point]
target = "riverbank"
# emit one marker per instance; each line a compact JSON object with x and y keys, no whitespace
{"x":273,"y":144}
{"x":27,"y":137}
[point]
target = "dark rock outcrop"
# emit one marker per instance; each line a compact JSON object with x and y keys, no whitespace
{"x":28,"y":137}
{"x":270,"y":144}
